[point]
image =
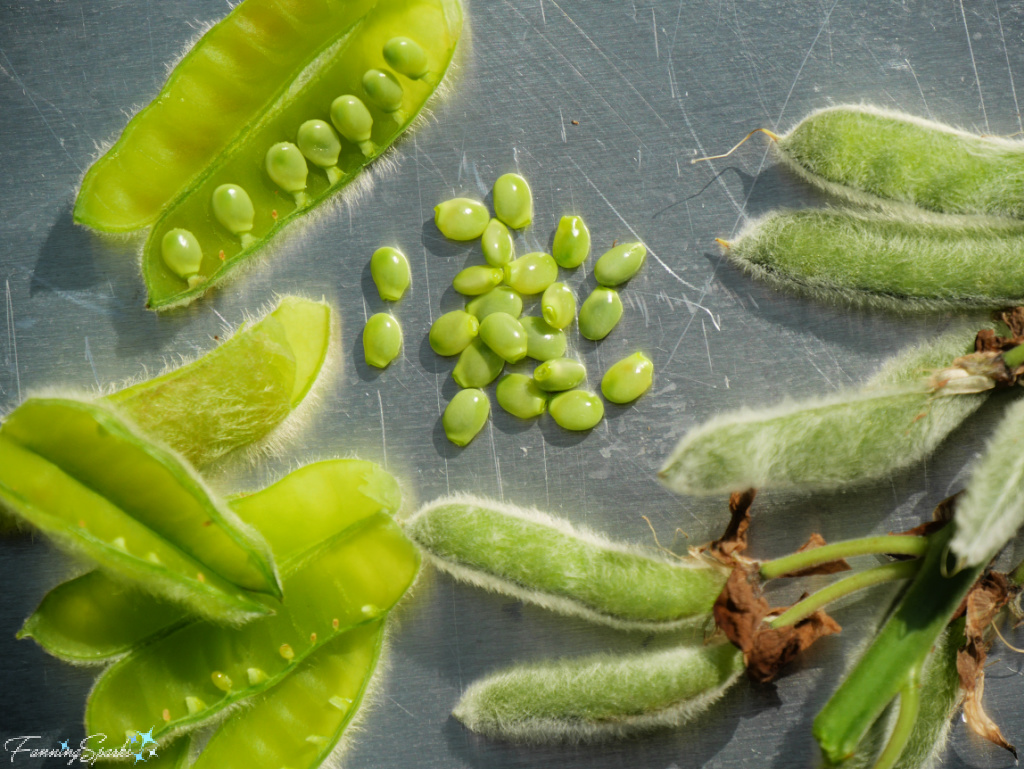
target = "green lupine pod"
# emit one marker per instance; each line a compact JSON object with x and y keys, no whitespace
{"x":619,"y":264}
{"x":406,"y":57}
{"x":519,"y":395}
{"x":320,"y":699}
{"x":390,"y":272}
{"x":239,"y":392}
{"x":903,"y":261}
{"x":546,"y":561}
{"x":180,"y":251}
{"x":628,"y":379}
{"x":498,"y":299}
{"x":478,"y":365}
{"x":353,"y":121}
{"x":194,"y":674}
{"x":572,"y":242}
{"x":531,"y":273}
{"x":513,"y":201}
{"x":465,"y":416}
{"x":233,"y":208}
{"x":382,"y":339}
{"x":451,"y":333}
{"x":542,"y":341}
{"x":867,"y":154}
{"x":559,"y":374}
{"x":383,"y":90}
{"x":839,"y":440}
{"x":98,"y":488}
{"x":600,"y":313}
{"x":576,"y":410}
{"x":354,"y":49}
{"x":461,"y":218}
{"x":600,"y":697}
{"x":496,"y":243}
{"x":504,"y":335}
{"x":558,"y":305}
{"x":477,"y":279}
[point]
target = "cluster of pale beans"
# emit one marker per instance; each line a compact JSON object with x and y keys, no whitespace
{"x":315,"y":141}
{"x":491,"y":331}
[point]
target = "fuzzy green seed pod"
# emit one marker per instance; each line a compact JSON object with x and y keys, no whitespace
{"x":406,"y":57}
{"x":600,"y":313}
{"x":576,"y":410}
{"x":233,"y":208}
{"x":181,"y":253}
{"x":519,"y":395}
{"x":572,"y":242}
{"x":478,"y":365}
{"x":505,"y":335}
{"x":390,"y":272}
{"x":542,"y":341}
{"x":382,"y":339}
{"x":320,"y":146}
{"x":461,"y":218}
{"x":496,"y":243}
{"x":620,"y":264}
{"x":498,"y":299}
{"x":558,"y":305}
{"x":628,"y":379}
{"x":559,"y":374}
{"x":465,"y":416}
{"x":451,"y":333}
{"x":477,"y":279}
{"x":287,"y":168}
{"x":531,"y":273}
{"x":383,"y":90}
{"x":513,"y":201}
{"x":353,"y":121}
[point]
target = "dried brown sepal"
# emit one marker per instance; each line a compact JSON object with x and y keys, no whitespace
{"x":832,"y":567}
{"x":776,"y":647}
{"x":729,"y":548}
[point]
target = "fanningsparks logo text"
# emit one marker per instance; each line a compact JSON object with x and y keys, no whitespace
{"x":139,"y":746}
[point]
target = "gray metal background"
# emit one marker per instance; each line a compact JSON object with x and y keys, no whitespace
{"x":651,"y":84}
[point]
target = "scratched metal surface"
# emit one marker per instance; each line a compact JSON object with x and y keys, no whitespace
{"x":651,"y":85}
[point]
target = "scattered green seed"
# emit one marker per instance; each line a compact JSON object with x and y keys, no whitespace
{"x":498,"y":299}
{"x":390,"y":271}
{"x":353,"y":121}
{"x":513,"y":201}
{"x":181,"y":253}
{"x":465,"y":416}
{"x":558,"y":305}
{"x":451,"y":333}
{"x":406,"y":57}
{"x":572,"y":242}
{"x":233,"y":208}
{"x":628,"y":379}
{"x":194,"y":705}
{"x":497,"y":244}
{"x":620,"y":264}
{"x":559,"y":374}
{"x":600,"y":313}
{"x":519,"y":395}
{"x":531,"y":273}
{"x":221,"y":680}
{"x":505,"y":335}
{"x":478,"y":365}
{"x":286,"y":167}
{"x":476,"y":280}
{"x":542,"y":341}
{"x":576,"y":410}
{"x":382,"y":339}
{"x":384,"y":91}
{"x":461,"y":218}
{"x":321,"y":146}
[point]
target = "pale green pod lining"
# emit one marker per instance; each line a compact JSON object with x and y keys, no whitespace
{"x":600,"y":697}
{"x":572,"y":242}
{"x":513,"y":200}
{"x":548,"y":562}
{"x":498,"y":299}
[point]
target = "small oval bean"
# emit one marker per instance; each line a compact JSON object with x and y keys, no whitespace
{"x":559,"y":374}
{"x":628,"y":379}
{"x":498,"y":299}
{"x":461,"y":218}
{"x":531,"y":273}
{"x":619,"y":264}
{"x":519,"y":395}
{"x":558,"y":305}
{"x":233,"y":208}
{"x":576,"y":410}
{"x":542,"y":341}
{"x":478,"y":365}
{"x":320,"y":146}
{"x":287,"y":168}
{"x":353,"y":121}
{"x":513,"y":201}
{"x":451,"y":333}
{"x":382,"y":339}
{"x":572,"y":242}
{"x":390,"y":272}
{"x":465,"y":416}
{"x":477,"y":279}
{"x":385,"y":92}
{"x":496,"y":243}
{"x":600,"y":313}
{"x":181,"y":253}
{"x":504,"y":335}
{"x":406,"y":57}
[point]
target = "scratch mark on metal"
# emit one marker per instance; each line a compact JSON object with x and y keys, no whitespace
{"x":561,"y":119}
{"x":92,"y":363}
{"x":654,"y":28}
{"x":543,"y":18}
{"x":12,"y":336}
{"x":919,"y":89}
{"x":974,"y":64}
{"x":707,"y":346}
{"x":383,"y":437}
{"x":497,"y":462}
{"x":1009,"y":69}
{"x":222,"y":318}
{"x":399,"y":704}
{"x":544,"y":459}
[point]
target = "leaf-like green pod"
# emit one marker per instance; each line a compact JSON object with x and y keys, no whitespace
{"x":504,"y":335}
{"x":181,"y":253}
{"x":899,"y":261}
{"x":390,"y":272}
{"x":600,"y":697}
{"x":97,"y":488}
{"x":496,"y":243}
{"x":477,"y":279}
{"x":547,"y":561}
{"x":320,"y":146}
{"x":600,"y":313}
{"x":558,"y":305}
{"x":559,"y":374}
{"x":531,"y":273}
{"x":465,"y":416}
{"x":576,"y":410}
{"x":233,"y":208}
{"x":620,"y":264}
{"x":498,"y":299}
{"x":513,"y":201}
{"x":353,"y":121}
{"x":519,"y":395}
{"x":382,"y":339}
{"x":628,"y":379}
{"x":318,"y":701}
{"x":241,"y":391}
{"x":542,"y":341}
{"x":895,"y":420}
{"x":572,"y":242}
{"x":406,"y":57}
{"x":451,"y":333}
{"x":461,"y":218}
{"x":478,"y":365}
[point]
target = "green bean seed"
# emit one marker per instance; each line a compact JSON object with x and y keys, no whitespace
{"x":382,"y":339}
{"x":320,"y":145}
{"x":497,"y":244}
{"x":542,"y":341}
{"x":451,"y":333}
{"x":628,"y":379}
{"x":465,"y":416}
{"x":498,"y":299}
{"x":384,"y":91}
{"x":600,"y":313}
{"x":504,"y":335}
{"x":478,"y":365}
{"x":181,"y":253}
{"x":576,"y":410}
{"x":620,"y":264}
{"x":406,"y":57}
{"x":286,"y":167}
{"x":390,"y":271}
{"x":519,"y":395}
{"x":513,"y":201}
{"x":558,"y":305}
{"x":353,"y":121}
{"x":461,"y":218}
{"x":559,"y":374}
{"x":531,"y":273}
{"x":572,"y":242}
{"x":476,"y":280}
{"x":233,"y":208}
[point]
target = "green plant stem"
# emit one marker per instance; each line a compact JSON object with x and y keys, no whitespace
{"x":901,"y":544}
{"x":875,"y":576}
{"x":1014,"y":357}
{"x":910,"y":706}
